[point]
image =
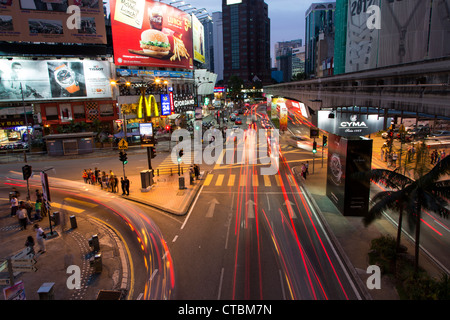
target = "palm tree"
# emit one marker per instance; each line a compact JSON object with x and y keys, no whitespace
{"x":428,"y":192}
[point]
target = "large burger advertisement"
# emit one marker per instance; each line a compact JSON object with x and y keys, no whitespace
{"x":151,"y":34}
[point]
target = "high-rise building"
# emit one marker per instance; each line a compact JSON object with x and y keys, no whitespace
{"x":284,"y":57}
{"x":217,"y":60}
{"x":319,"y":39}
{"x":246,"y":40}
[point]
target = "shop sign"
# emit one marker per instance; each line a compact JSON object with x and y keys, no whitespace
{"x":183,"y":103}
{"x":9,"y":124}
{"x":165,"y":105}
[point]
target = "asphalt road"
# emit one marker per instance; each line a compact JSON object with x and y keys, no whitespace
{"x":250,"y":236}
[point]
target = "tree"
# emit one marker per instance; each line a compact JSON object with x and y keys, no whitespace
{"x":411,"y":196}
{"x":235,"y":85}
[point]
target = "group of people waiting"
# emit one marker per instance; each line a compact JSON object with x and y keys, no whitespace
{"x":108,"y":182}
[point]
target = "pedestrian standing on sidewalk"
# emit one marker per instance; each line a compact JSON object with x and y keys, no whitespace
{"x":112,"y":183}
{"x":29,"y":243}
{"x":40,"y":236}
{"x":122,"y":184}
{"x":306,"y":168}
{"x":37,"y":209}
{"x":14,"y":206}
{"x":85,"y":176}
{"x":97,"y":175}
{"x":197,"y":171}
{"x":127,"y":186}
{"x":22,"y":216}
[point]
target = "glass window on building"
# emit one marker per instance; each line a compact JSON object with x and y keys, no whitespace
{"x":51,"y":113}
{"x":79,"y":112}
{"x":106,"y":110}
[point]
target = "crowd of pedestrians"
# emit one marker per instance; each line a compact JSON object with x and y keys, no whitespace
{"x":107,"y":181}
{"x":23,"y":211}
{"x":437,"y":156}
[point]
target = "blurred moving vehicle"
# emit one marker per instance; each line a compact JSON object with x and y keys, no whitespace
{"x":301,"y":142}
{"x":238,"y":121}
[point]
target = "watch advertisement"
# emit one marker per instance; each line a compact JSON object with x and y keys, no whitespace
{"x":347,"y":156}
{"x":350,"y":124}
{"x":52,"y":21}
{"x":151,"y":34}
{"x":30,"y":80}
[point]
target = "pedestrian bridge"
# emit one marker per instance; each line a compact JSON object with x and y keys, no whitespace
{"x":420,"y":89}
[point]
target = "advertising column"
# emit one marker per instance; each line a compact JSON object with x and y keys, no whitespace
{"x":347,"y":156}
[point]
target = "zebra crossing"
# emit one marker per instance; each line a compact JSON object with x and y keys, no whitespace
{"x":168,"y":167}
{"x":246,"y":180}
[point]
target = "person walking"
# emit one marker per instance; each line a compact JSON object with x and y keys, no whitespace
{"x":127,"y":186}
{"x":40,"y":236}
{"x":29,"y":243}
{"x":22,"y":216}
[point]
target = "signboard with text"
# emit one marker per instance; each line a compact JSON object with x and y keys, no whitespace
{"x":152,"y":34}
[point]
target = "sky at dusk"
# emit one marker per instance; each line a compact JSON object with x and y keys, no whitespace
{"x":287,"y":17}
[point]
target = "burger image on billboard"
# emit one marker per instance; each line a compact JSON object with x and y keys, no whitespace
{"x":155,"y":43}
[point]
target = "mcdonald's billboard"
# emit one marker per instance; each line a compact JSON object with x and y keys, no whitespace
{"x":150,"y":106}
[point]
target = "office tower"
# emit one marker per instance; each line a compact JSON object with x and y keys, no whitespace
{"x":284,"y":55}
{"x":319,"y":39}
{"x":246,"y":40}
{"x":217,"y":66}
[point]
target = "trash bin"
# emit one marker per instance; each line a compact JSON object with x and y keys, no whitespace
{"x":146,"y":179}
{"x":181,"y":183}
{"x":73,"y":222}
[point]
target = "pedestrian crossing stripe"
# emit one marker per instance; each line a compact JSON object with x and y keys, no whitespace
{"x":233,"y":180}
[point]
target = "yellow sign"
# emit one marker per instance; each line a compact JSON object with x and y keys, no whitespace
{"x":151,"y":103}
{"x":123,"y":144}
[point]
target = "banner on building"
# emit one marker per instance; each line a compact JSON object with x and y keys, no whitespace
{"x":152,"y":34}
{"x":49,"y":21}
{"x":32,"y":80}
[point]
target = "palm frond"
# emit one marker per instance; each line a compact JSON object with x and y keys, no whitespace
{"x":442,"y":168}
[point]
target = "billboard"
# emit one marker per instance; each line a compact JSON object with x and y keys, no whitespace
{"x":146,"y":133}
{"x":347,"y":156}
{"x":151,"y":34}
{"x":362,"y":42}
{"x":33,"y":80}
{"x":198,"y":39}
{"x":48,"y":21}
{"x":350,"y":124}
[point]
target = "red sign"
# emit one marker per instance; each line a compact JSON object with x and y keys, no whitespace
{"x":151,"y":34}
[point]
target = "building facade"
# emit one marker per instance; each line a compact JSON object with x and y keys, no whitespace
{"x":284,"y":57}
{"x":319,"y":39}
{"x":246,"y":40}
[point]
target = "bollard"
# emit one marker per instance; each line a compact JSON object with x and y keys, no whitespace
{"x":94,"y":243}
{"x":96,"y":263}
{"x":73,"y":222}
{"x":46,"y":291}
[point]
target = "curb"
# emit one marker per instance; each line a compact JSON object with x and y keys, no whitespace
{"x":181,"y":212}
{"x":362,"y":290}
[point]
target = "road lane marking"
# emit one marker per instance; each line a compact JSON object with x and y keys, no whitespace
{"x":231,"y":179}
{"x":84,"y":203}
{"x":278,"y":180}
{"x":208,"y":179}
{"x":219,"y":180}
{"x":255,"y":180}
{"x":243,"y":181}
{"x":267,"y":182}
{"x":66,"y":207}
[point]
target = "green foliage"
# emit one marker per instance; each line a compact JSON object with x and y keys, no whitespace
{"x":411,"y":285}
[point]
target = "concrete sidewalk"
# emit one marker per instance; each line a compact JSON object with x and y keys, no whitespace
{"x":352,"y":238}
{"x":69,"y":248}
{"x":165,"y":194}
